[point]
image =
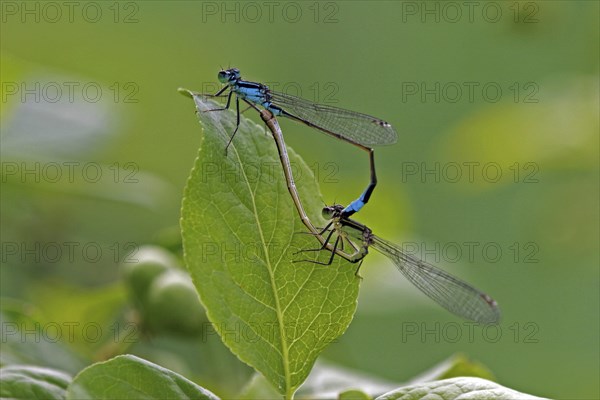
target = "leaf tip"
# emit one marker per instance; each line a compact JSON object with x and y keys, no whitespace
{"x":185,"y":92}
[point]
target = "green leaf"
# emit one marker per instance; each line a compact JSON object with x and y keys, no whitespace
{"x":354,"y":395}
{"x":129,"y":377}
{"x":455,"y":366}
{"x":29,"y":382}
{"x":457,"y":389}
{"x":240,"y":234}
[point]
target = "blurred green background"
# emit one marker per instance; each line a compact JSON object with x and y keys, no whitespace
{"x":509,"y":86}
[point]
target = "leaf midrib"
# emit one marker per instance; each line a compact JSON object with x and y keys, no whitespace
{"x":279,"y":313}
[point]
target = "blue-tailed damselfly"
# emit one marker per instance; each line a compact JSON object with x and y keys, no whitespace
{"x":361,"y":130}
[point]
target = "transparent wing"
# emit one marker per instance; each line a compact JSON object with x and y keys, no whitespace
{"x":451,"y":293}
{"x":361,"y":128}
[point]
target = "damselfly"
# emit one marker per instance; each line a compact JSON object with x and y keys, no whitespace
{"x":361,"y":130}
{"x":451,"y":293}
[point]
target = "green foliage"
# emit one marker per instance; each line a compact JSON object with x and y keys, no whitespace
{"x":173,"y":305}
{"x":29,"y":383}
{"x":151,"y":261}
{"x":543,"y":55}
{"x":240,"y":234}
{"x":456,"y":366}
{"x":163,"y":293}
{"x":354,"y":395}
{"x":130,"y":377}
{"x":331,"y":381}
{"x":456,"y":388}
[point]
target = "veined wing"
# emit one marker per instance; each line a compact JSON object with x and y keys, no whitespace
{"x":451,"y":293}
{"x":360,"y":128}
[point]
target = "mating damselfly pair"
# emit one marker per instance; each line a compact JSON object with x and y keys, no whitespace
{"x":343,"y":236}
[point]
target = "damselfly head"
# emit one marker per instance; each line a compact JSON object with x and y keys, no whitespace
{"x":229,"y":75}
{"x":330,"y":212}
